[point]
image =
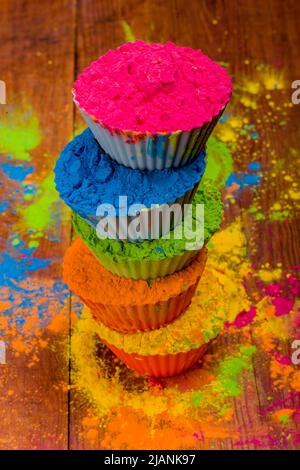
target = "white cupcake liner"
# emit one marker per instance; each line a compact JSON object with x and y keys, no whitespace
{"x":151,"y":152}
{"x":154,"y":222}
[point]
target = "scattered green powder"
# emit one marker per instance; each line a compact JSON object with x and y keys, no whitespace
{"x":38,"y":215}
{"x":129,"y":36}
{"x":230,"y":370}
{"x":226,"y":383}
{"x":284,"y":419}
{"x":19,"y":133}
{"x":219,"y":162}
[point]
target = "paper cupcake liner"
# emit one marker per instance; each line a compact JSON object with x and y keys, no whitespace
{"x":134,"y":318}
{"x":160,"y":366}
{"x":151,"y":152}
{"x":146,"y":269}
{"x":154,"y":223}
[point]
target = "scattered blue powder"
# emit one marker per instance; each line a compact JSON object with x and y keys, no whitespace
{"x":3,"y":206}
{"x":243,"y":179}
{"x":17,"y":173}
{"x":254,"y":166}
{"x":86,"y":177}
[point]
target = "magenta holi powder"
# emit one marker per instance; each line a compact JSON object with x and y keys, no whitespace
{"x":152,"y":88}
{"x":244,"y":318}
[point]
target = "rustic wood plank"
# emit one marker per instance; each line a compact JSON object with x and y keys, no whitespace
{"x":37,"y":64}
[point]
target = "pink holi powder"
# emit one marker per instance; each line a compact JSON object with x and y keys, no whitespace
{"x":283,"y":360}
{"x":244,"y":442}
{"x":282,"y":305}
{"x":153,"y":88}
{"x":244,"y":318}
{"x":273,"y":290}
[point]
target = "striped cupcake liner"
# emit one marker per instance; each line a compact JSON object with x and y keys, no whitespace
{"x":134,"y":318}
{"x":146,"y":269}
{"x":151,"y":151}
{"x":157,"y":365}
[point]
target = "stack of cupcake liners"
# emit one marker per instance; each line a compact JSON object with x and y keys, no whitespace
{"x":142,"y":291}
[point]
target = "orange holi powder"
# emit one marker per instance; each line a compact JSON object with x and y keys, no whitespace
{"x":89,"y":279}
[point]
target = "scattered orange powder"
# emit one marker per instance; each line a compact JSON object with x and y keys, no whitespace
{"x":89,"y":279}
{"x":59,"y":323}
{"x":163,"y":432}
{"x":281,"y":414}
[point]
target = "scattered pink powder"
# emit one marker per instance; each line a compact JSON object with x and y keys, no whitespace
{"x":282,"y":305}
{"x":273,"y":290}
{"x":243,"y":319}
{"x":153,"y":88}
{"x":285,"y":361}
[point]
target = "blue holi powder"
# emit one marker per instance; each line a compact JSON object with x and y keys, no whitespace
{"x":86,"y":178}
{"x":19,"y":320}
{"x":29,"y":189}
{"x":3,"y":206}
{"x":243,"y":178}
{"x":254,"y":135}
{"x":254,"y":166}
{"x":16,"y":172}
{"x":251,"y":179}
{"x":13,"y":270}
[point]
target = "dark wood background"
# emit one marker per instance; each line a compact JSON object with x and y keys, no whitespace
{"x":43,"y":46}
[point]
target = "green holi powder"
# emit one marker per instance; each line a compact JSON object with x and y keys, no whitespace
{"x":219,"y":162}
{"x":19,"y":134}
{"x":38,"y":215}
{"x":230,"y":370}
{"x":33,"y":244}
{"x":197,"y":398}
{"x":281,"y":216}
{"x":226,"y":383}
{"x":223,"y":64}
{"x":284,"y":419}
{"x":257,"y":214}
{"x":129,"y":36}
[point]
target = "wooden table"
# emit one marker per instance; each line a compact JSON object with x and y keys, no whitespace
{"x":44,"y":45}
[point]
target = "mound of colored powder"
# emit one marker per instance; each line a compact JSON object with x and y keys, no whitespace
{"x":153,"y":88}
{"x":218,"y":300}
{"x":86,"y":177}
{"x":89,"y":279}
{"x":160,"y":248}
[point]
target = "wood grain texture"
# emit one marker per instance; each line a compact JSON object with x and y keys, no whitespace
{"x":37,"y":64}
{"x":70,"y":34}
